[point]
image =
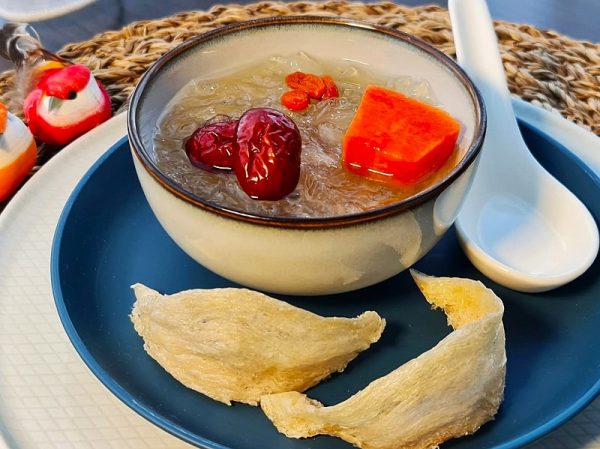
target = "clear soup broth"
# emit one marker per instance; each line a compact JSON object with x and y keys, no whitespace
{"x":325,"y":188}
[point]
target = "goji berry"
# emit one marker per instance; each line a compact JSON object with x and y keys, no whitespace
{"x":313,"y":85}
{"x":331,"y":90}
{"x":295,"y":100}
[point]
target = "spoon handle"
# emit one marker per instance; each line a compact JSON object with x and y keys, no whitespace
{"x":478,"y":52}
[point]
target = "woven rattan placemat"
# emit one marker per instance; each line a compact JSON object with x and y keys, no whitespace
{"x":542,"y":66}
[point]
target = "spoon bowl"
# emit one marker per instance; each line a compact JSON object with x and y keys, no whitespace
{"x":519,"y":226}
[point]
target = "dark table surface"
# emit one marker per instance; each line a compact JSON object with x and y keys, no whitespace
{"x":575,"y":18}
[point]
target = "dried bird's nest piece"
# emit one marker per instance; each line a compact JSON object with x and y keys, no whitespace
{"x":446,"y":392}
{"x":238,"y":345}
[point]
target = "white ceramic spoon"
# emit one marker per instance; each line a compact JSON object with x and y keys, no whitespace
{"x":519,"y":226}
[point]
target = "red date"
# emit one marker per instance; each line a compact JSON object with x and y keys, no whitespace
{"x":267,"y":164}
{"x":213,"y":146}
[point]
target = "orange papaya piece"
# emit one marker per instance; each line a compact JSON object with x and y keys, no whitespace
{"x":397,"y":138}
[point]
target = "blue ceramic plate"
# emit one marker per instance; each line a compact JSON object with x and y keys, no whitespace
{"x":107,"y":239}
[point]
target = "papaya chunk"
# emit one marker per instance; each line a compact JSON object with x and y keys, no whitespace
{"x":396,"y":138}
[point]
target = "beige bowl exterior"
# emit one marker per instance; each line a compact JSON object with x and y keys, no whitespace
{"x":304,"y":260}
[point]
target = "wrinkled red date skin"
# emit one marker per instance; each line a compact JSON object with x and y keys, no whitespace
{"x":213,"y":146}
{"x":267,"y":165}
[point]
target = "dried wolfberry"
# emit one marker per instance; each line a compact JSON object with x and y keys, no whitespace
{"x":313,"y":85}
{"x":331,"y":90}
{"x":295,"y":100}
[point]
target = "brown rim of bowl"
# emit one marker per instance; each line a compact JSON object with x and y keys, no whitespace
{"x":302,"y":222}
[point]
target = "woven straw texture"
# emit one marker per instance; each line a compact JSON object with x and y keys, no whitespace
{"x":543,"y":67}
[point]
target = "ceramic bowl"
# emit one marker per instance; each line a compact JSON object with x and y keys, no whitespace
{"x":305,"y":256}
